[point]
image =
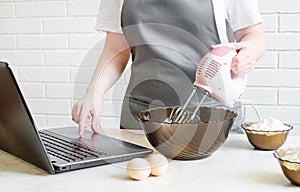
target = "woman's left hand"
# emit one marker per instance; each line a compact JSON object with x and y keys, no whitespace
{"x":244,"y":61}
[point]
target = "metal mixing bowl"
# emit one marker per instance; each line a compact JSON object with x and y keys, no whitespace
{"x":196,"y":140}
{"x":266,"y":140}
{"x":290,"y":169}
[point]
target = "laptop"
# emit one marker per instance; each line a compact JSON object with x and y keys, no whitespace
{"x":53,"y":150}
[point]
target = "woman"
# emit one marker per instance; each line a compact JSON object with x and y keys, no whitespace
{"x":166,"y":39}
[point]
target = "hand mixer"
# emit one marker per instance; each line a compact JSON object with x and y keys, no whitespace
{"x":215,"y":79}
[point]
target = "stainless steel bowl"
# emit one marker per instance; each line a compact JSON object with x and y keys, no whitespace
{"x":195,"y":140}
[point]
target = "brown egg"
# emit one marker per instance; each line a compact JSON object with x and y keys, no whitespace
{"x":138,"y":169}
{"x":159,"y":164}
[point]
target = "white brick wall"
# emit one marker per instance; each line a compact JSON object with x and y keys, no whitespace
{"x":69,"y":25}
{"x":8,"y":42}
{"x":274,"y":87}
{"x":7,"y":10}
{"x":53,"y":49}
{"x":38,"y":42}
{"x":20,"y":26}
{"x":41,"y":9}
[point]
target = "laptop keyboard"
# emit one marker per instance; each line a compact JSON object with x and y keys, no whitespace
{"x":69,"y":151}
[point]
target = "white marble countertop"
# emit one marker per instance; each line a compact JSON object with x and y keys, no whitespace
{"x":236,"y":166}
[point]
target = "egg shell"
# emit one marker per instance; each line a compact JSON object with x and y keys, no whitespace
{"x":159,"y":164}
{"x":138,"y":169}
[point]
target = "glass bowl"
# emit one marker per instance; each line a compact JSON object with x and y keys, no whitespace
{"x":266,"y":140}
{"x":187,"y":141}
{"x":290,"y":165}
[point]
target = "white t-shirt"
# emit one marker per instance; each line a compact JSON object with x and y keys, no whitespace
{"x":230,"y":16}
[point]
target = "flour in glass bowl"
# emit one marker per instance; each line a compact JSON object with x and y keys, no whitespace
{"x":291,"y":154}
{"x":269,"y":124}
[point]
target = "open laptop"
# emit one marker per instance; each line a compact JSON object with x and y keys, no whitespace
{"x":53,"y":150}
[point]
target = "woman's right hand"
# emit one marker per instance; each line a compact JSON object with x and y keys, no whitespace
{"x":87,"y":111}
{"x":112,"y":62}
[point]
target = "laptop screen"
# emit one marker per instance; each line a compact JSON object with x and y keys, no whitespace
{"x":18,"y":135}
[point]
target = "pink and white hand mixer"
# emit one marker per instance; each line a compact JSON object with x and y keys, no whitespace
{"x":215,"y":78}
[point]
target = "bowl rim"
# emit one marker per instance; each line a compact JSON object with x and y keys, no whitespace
{"x":266,"y":131}
{"x":147,"y":110}
{"x":275,"y":154}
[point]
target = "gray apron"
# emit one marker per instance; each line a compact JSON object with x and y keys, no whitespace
{"x":167,"y":40}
